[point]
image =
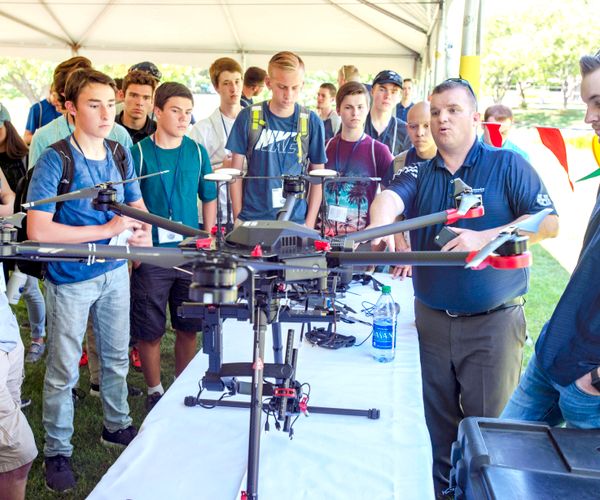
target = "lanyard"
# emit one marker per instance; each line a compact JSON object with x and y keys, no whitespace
{"x":89,"y":169}
{"x":344,"y":171}
{"x":169,"y":197}
{"x":224,"y":128}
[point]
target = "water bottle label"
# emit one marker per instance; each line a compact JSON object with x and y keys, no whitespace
{"x":383,"y":336}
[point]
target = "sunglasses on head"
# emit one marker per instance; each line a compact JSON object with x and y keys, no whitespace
{"x":464,"y":83}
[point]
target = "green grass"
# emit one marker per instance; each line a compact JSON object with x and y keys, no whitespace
{"x":548,"y":280}
{"x":91,"y":459}
{"x":560,"y":118}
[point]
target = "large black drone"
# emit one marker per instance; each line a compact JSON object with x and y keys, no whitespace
{"x":247,"y":272}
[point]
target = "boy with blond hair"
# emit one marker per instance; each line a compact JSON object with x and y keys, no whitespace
{"x":277,"y":137}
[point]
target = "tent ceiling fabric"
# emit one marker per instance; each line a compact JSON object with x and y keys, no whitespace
{"x":326,"y":33}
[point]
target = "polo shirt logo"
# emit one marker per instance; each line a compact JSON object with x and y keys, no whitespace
{"x":544,"y":200}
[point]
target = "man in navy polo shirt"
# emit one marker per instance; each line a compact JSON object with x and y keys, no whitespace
{"x":382,"y":123}
{"x":471,"y":324}
{"x":562,"y":381}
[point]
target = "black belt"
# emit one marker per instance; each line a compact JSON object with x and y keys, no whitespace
{"x":518,"y":301}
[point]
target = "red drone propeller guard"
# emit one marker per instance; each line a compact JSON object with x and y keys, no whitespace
{"x":473,"y":213}
{"x":202,"y":243}
{"x":519,"y":261}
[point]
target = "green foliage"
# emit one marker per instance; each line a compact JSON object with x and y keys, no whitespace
{"x":560,"y":118}
{"x":538,"y":47}
{"x":30,"y":78}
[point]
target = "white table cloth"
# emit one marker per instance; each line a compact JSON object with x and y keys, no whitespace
{"x":197,"y":453}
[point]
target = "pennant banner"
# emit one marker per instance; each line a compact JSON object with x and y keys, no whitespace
{"x":553,"y":140}
{"x":596,"y":153}
{"x":493,"y":129}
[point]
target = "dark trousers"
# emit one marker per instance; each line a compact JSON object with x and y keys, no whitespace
{"x":470,"y":367}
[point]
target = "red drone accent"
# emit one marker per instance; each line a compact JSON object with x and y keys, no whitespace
{"x":519,"y":261}
{"x":322,"y":246}
{"x":213,"y":231}
{"x":285,"y":392}
{"x":472,"y":213}
{"x":259,"y":365}
{"x":303,"y":405}
{"x":256,"y":251}
{"x":203,"y":243}
{"x":244,"y":496}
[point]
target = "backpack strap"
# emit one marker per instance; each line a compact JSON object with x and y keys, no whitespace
{"x":41,"y":114}
{"x":373,"y":154}
{"x":257,"y":124}
{"x":63,"y":149}
{"x":303,"y":136}
{"x":119,"y":157}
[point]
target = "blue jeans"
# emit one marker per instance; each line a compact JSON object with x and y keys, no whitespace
{"x":539,"y":399}
{"x":106,"y":298}
{"x":36,"y":308}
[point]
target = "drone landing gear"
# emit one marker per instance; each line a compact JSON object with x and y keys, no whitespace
{"x":287,"y":399}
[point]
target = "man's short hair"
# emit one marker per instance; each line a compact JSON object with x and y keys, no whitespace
{"x":407,"y":80}
{"x":351,"y":88}
{"x":456,"y":83}
{"x":588,"y":64}
{"x":349,"y":73}
{"x":286,"y":61}
{"x":171,"y":89}
{"x":220,"y":65}
{"x":330,"y":87}
{"x":82,"y":77}
{"x":62,"y":72}
{"x":138,"y":77}
{"x":498,"y":111}
{"x":254,"y":77}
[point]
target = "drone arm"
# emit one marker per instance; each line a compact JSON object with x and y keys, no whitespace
{"x":428,"y":258}
{"x":155,"y":220}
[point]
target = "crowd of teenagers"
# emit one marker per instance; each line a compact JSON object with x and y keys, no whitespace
{"x":471,"y":330}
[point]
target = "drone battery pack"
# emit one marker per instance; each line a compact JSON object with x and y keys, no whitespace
{"x":496,"y":459}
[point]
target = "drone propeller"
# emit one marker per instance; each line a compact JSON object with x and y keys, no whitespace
{"x":530,"y":225}
{"x":82,"y":194}
{"x":13,"y":220}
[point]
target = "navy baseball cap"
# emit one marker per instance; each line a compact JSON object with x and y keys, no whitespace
{"x":4,"y":115}
{"x":388,"y":76}
{"x":147,"y":67}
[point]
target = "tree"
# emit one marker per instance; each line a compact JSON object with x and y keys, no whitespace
{"x":25,"y":77}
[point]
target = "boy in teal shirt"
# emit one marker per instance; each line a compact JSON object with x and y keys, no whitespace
{"x":172,"y":195}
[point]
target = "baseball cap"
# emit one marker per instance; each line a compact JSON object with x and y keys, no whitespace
{"x":147,"y":67}
{"x":388,"y":76}
{"x":4,"y":115}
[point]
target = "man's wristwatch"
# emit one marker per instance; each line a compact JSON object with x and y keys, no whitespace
{"x":596,"y":378}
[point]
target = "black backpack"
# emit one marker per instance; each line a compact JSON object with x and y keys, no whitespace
{"x":35,"y":268}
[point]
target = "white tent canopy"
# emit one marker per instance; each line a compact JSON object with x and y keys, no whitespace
{"x":327,"y":33}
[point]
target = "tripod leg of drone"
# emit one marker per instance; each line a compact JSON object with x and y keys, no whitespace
{"x":277,"y":345}
{"x":260,"y":327}
{"x":372,"y":414}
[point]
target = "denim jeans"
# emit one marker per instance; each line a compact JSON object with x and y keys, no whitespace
{"x":106,"y":298}
{"x":36,"y":308}
{"x":539,"y":399}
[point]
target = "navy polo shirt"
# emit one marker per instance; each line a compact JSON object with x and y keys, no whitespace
{"x":569,"y":345}
{"x":394,"y":136}
{"x":510,"y":188}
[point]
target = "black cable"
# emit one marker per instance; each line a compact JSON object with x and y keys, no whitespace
{"x":329,"y":340}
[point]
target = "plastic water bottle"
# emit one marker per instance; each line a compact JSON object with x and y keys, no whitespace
{"x":384,"y":327}
{"x":15,"y":286}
